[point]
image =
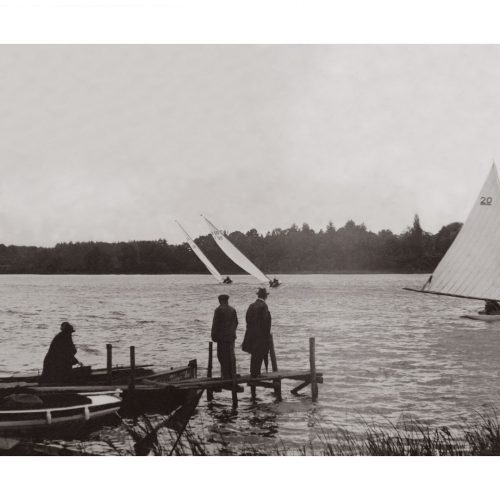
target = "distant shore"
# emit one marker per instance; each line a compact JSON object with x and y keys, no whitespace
{"x":351,"y":249}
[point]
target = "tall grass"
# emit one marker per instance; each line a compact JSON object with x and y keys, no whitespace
{"x":479,"y":436}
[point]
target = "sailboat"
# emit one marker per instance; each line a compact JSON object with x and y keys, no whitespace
{"x":196,"y":249}
{"x":471,"y":267}
{"x":236,"y":256}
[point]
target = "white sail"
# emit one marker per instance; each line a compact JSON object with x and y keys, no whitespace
{"x":196,"y":249}
{"x":471,"y":266}
{"x":235,"y":255}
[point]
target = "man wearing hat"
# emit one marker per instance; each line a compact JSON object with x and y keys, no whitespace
{"x":257,"y":339}
{"x":224,"y":333}
{"x":60,"y":358}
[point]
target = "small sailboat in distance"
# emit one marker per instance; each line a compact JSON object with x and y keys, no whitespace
{"x":196,"y":249}
{"x":235,"y":255}
{"x":471,"y":267}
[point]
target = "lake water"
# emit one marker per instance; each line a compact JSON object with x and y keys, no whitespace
{"x":384,"y":352}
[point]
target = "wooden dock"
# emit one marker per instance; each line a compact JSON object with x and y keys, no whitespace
{"x":163,"y":384}
{"x":268,"y":380}
{"x":149,"y":385}
{"x":271,"y":380}
{"x":271,"y":377}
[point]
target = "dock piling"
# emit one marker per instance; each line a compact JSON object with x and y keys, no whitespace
{"x":274,"y":364}
{"x":193,"y":368}
{"x":234,"y":391}
{"x":312,"y":363}
{"x":132,"y":368}
{"x":210,"y":394}
{"x":253,"y":391}
{"x":109,"y":363}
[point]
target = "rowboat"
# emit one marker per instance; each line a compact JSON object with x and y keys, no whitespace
{"x":28,"y":412}
{"x":150,"y":390}
{"x":87,"y":375}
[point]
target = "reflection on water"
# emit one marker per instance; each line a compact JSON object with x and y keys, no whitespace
{"x":383,"y":351}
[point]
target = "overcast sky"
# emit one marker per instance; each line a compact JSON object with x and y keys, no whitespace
{"x":115,"y":142}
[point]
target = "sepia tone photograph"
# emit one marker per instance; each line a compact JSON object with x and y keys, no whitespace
{"x":227,"y":250}
{"x":249,"y":250}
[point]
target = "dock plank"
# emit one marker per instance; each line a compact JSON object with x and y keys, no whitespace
{"x":204,"y":383}
{"x":192,"y":383}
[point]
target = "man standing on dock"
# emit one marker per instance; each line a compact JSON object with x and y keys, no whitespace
{"x":257,"y":341}
{"x":224,"y":333}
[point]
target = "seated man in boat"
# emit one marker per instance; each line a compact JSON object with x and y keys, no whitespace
{"x":58,"y":363}
{"x":224,"y":326}
{"x":274,"y":283}
{"x":227,"y":280}
{"x":491,"y":307}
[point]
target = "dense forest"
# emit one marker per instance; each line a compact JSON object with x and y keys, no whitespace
{"x":351,"y":248}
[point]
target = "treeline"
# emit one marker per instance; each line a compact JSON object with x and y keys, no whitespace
{"x":351,"y":248}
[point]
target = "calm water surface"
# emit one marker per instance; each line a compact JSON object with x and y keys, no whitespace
{"x":383,"y":351}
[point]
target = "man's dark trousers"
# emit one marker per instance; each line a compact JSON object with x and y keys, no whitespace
{"x":224,"y":355}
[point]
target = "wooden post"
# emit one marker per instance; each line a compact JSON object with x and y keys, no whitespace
{"x":210,"y":394}
{"x":277,"y":390}
{"x":193,"y":368}
{"x":312,"y":363}
{"x":131,"y":385}
{"x":296,"y":390}
{"x":234,"y":390}
{"x":274,"y":364}
{"x":109,"y":363}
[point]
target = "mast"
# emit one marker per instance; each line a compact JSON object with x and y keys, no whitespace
{"x":196,"y":249}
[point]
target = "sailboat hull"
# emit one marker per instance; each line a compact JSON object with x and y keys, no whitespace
{"x":489,"y":318}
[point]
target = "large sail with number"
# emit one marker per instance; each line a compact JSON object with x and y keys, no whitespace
{"x":471,"y":266}
{"x":235,"y":255}
{"x":196,"y":249}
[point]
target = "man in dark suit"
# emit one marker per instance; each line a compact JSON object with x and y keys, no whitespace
{"x":257,"y":339}
{"x":224,"y":326}
{"x":58,"y":363}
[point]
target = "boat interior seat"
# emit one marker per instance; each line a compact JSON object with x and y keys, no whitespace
{"x":30,"y":400}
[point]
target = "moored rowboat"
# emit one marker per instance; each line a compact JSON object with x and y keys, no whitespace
{"x":150,"y":392}
{"x":31,"y":413}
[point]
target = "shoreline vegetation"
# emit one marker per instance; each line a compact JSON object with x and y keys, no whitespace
{"x":151,"y":435}
{"x":410,"y":437}
{"x":351,"y":249}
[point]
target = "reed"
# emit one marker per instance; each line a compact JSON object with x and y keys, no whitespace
{"x":479,"y":436}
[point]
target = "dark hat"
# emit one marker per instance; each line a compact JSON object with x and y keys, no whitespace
{"x":262,"y":293}
{"x":223,"y":298}
{"x":67,"y":327}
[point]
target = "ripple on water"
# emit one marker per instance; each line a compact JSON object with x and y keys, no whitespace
{"x":383,"y":351}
